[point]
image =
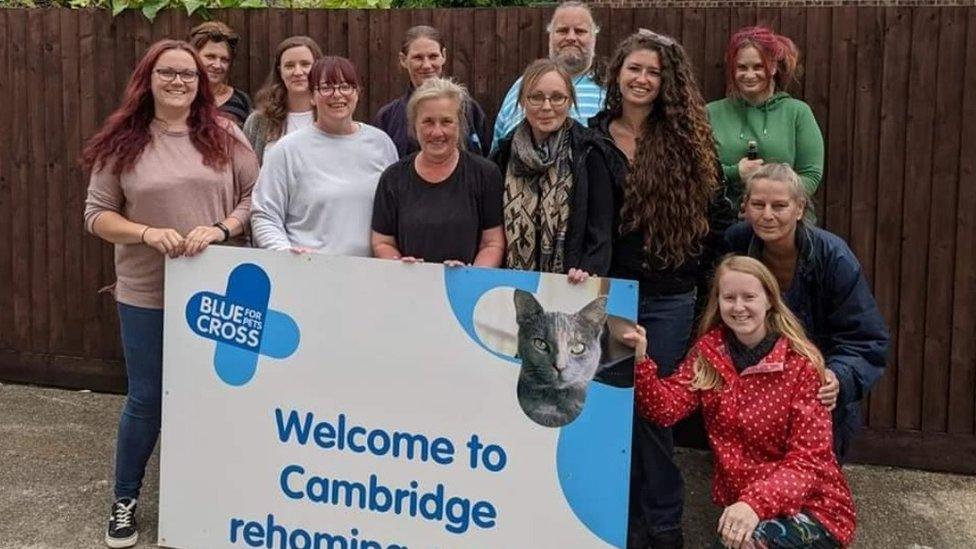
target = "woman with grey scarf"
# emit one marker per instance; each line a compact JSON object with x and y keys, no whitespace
{"x":558,"y":201}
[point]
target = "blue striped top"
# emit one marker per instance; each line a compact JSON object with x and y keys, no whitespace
{"x":589,"y":101}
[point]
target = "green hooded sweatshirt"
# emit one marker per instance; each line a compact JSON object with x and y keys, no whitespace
{"x":783,"y":127}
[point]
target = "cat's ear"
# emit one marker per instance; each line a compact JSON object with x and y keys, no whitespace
{"x":526,"y":306}
{"x":595,"y":311}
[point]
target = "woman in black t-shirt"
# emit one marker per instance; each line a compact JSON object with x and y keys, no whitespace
{"x":217,"y":43}
{"x":441,"y":204}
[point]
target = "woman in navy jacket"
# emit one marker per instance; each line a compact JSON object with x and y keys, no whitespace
{"x":823,"y":285}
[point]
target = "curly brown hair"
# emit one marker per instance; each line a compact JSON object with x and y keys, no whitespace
{"x":272,"y":98}
{"x":674,"y":174}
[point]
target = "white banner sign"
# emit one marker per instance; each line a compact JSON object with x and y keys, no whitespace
{"x":314,"y":402}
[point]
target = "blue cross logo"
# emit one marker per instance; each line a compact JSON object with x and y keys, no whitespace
{"x":242,"y":324}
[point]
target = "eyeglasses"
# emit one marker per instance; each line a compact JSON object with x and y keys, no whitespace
{"x":661,"y":39}
{"x":167,"y":74}
{"x":539,"y":99}
{"x":332,"y":89}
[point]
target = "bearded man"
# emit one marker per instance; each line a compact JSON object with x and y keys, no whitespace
{"x":572,"y":42}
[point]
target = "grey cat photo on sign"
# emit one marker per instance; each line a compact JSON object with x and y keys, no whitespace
{"x":560,"y":354}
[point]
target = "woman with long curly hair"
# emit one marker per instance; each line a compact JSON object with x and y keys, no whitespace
{"x":755,"y":375}
{"x":668,"y":177}
{"x":284,"y":102}
{"x":758,"y":121}
{"x":169,"y":176}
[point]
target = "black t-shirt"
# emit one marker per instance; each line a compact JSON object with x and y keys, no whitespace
{"x":439,"y":221}
{"x":238,"y":107}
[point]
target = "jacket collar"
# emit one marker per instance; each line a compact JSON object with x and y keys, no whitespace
{"x":807,"y":259}
{"x":775,"y":361}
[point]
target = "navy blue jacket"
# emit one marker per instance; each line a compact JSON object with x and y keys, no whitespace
{"x":833,"y":301}
{"x":392,"y":118}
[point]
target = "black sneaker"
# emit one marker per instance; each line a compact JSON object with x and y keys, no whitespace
{"x":121,"y":531}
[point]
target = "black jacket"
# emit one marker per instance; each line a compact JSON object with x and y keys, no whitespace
{"x":593,"y":210}
{"x":629,"y":261}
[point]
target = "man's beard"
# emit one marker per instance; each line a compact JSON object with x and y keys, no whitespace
{"x":574,"y":60}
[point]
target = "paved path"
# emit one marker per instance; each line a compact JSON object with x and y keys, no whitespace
{"x":56,"y":449}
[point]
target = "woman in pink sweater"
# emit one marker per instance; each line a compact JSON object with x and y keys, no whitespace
{"x":169,"y":176}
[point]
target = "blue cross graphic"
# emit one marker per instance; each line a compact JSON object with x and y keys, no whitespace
{"x":242,"y":324}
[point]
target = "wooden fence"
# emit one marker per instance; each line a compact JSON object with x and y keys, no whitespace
{"x":887,"y":86}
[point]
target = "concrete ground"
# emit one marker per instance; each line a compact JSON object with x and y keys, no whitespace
{"x":56,"y":451}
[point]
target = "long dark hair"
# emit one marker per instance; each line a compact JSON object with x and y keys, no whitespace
{"x":674,"y":175}
{"x":125,"y":133}
{"x":272,"y":98}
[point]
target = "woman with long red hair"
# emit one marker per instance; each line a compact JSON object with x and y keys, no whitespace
{"x":169,"y":176}
{"x":759,"y":121}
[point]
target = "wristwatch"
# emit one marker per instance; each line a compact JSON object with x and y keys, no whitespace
{"x":223,"y":228}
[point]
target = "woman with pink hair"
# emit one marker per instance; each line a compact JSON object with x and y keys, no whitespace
{"x":169,"y":176}
{"x":759,"y":122}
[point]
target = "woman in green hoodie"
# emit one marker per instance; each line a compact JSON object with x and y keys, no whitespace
{"x":759,"y":65}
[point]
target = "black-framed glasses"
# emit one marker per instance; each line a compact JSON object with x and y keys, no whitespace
{"x":661,"y":39}
{"x":344,"y":88}
{"x":167,"y":74}
{"x":538,"y":99}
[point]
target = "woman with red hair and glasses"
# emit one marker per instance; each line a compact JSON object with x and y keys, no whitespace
{"x":759,"y":122}
{"x":169,"y":176}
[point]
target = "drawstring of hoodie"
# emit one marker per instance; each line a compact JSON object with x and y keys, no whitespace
{"x":743,"y":115}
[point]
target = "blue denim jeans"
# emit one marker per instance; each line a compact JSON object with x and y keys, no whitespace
{"x":142,"y":344}
{"x":656,"y":485}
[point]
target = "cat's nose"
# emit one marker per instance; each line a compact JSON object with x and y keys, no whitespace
{"x":559,"y":367}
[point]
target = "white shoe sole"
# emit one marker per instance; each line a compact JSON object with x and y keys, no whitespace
{"x":117,"y":543}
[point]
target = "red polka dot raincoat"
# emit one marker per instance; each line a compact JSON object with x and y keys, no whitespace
{"x":770,"y":435}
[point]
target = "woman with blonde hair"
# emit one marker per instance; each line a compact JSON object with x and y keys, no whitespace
{"x":284,"y":103}
{"x":755,"y":376}
{"x":442,"y":203}
{"x":823,"y":284}
{"x":558,"y":195}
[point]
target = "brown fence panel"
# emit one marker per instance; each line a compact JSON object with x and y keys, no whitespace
{"x":962,"y":385}
{"x":6,"y":187}
{"x":887,"y":85}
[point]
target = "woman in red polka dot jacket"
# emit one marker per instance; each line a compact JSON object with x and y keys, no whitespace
{"x":756,"y":377}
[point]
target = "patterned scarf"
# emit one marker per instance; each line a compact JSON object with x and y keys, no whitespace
{"x":538,"y":183}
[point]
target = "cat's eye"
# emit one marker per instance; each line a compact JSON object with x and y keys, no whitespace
{"x":540,"y":345}
{"x":577,"y":348}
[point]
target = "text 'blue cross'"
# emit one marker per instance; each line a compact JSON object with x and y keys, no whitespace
{"x":242,"y":324}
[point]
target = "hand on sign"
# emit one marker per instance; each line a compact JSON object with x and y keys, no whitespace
{"x":200,"y":237}
{"x":164,"y":241}
{"x":577,"y":276}
{"x":454,"y":263}
{"x":638,"y":340}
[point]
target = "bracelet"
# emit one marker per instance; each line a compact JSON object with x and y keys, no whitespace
{"x":142,"y":237}
{"x":223,"y":228}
